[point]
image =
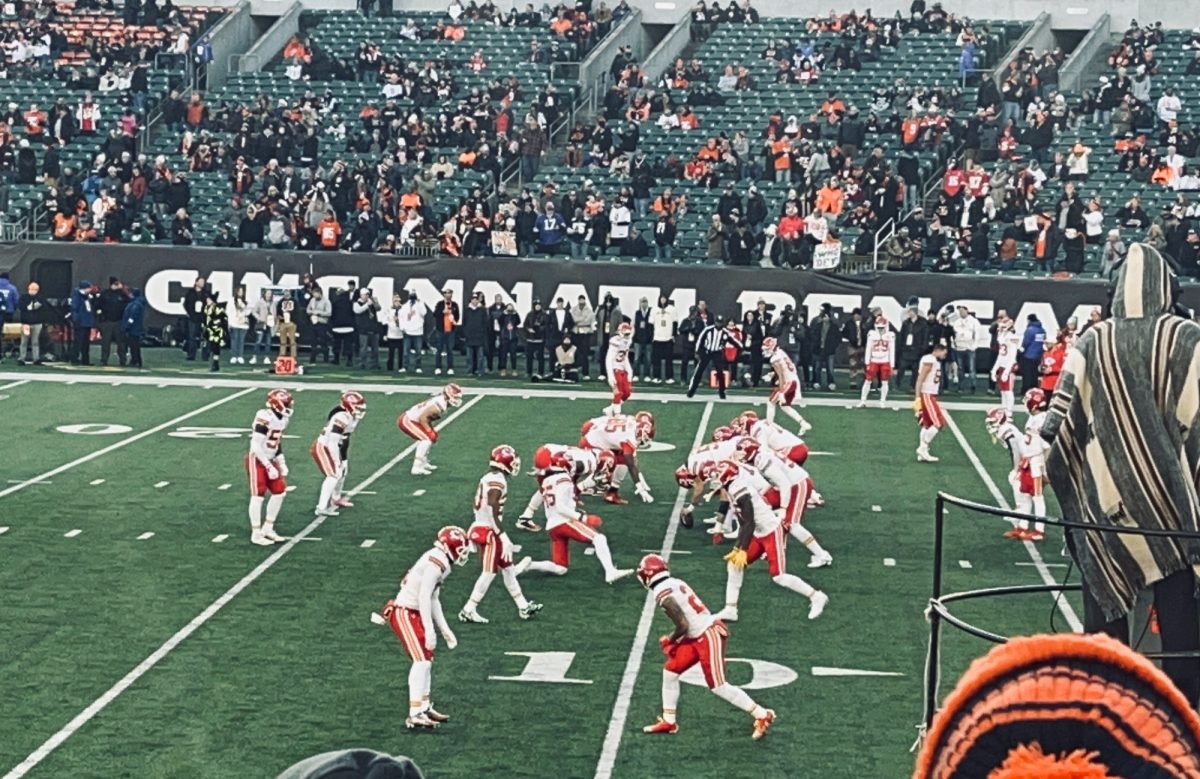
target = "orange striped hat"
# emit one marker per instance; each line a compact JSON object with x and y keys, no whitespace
{"x":1063,"y":707}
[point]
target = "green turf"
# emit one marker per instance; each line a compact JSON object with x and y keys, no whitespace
{"x":292,"y":666}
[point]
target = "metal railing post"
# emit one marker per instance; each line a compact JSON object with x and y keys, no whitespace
{"x":935,"y":620}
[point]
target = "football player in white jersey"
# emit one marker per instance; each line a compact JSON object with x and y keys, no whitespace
{"x":591,"y":470}
{"x":787,"y":384}
{"x":926,"y":406}
{"x":698,"y":638}
{"x":1033,"y":470}
{"x":1004,"y":370}
{"x":782,"y":442}
{"x":761,"y":534}
{"x":567,"y":522}
{"x":490,"y":541}
{"x":331,"y":449}
{"x":416,"y":617}
{"x":417,"y":424}
{"x":881,"y":356}
{"x":1004,"y":432}
{"x":616,"y":367}
{"x":266,"y":466}
{"x":621,"y":435}
{"x":789,"y":490}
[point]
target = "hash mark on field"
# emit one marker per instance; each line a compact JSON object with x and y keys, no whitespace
{"x":1048,"y":565}
{"x":964,"y":564}
{"x":161,"y":484}
{"x":72,"y":533}
{"x":94,"y":482}
{"x":877,"y":508}
{"x":418,"y":493}
{"x":366,"y":492}
{"x":889,"y":562}
{"x":146,"y":536}
{"x":220,"y":538}
{"x":3,"y":530}
{"x":370,"y":542}
{"x":657,"y":551}
{"x":224,"y":487}
{"x":290,"y":488}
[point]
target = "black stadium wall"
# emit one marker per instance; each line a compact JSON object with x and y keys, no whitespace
{"x":165,"y":272}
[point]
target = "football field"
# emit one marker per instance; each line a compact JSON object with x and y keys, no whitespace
{"x":142,"y":635}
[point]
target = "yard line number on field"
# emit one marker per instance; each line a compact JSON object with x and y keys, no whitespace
{"x":620,"y":712}
{"x":127,"y":681}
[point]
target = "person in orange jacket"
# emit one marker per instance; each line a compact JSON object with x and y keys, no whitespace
{"x":329,"y":232}
{"x":830,"y":198}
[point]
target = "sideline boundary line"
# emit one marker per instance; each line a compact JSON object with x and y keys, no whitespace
{"x":123,"y":442}
{"x":620,"y":712}
{"x":140,"y":670}
{"x":1064,"y":606}
{"x":572,"y":391}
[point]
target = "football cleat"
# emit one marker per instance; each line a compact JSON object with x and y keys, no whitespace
{"x":614,"y":497}
{"x":617,"y":574}
{"x":259,"y":539}
{"x":343,"y":502}
{"x":924,"y":456}
{"x":821,"y":560}
{"x":1034,"y":535}
{"x":762,"y":724}
{"x":817,"y":604}
{"x":329,"y":511}
{"x":805,"y":426}
{"x":421,"y":720}
{"x":419,"y":470}
{"x":270,"y":534}
{"x":729,"y":614}
{"x":471,"y":615}
{"x":436,"y":716}
{"x":522,"y":566}
{"x":1015,"y":532}
{"x":533,"y":607}
{"x":527,"y":523}
{"x":662,"y":727}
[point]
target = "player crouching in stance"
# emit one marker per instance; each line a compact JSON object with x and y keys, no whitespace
{"x":1003,"y":431}
{"x":591,"y":470}
{"x":490,"y":540}
{"x":699,"y":637}
{"x":416,"y":618}
{"x":925,"y":405}
{"x":417,"y":424}
{"x":787,"y":388}
{"x":565,"y":522}
{"x":761,"y":534}
{"x":266,"y":467}
{"x":622,"y":435}
{"x":331,"y":451}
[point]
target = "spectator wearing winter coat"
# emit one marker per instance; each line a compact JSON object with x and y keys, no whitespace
{"x":509,"y":323}
{"x":664,"y":236}
{"x":341,"y":325}
{"x":475,"y":333}
{"x":754,"y":330}
{"x":134,"y":326}
{"x":237,"y":312}
{"x":549,"y":227}
{"x":824,"y":339}
{"x":366,"y":321}
{"x":412,"y":325}
{"x":319,"y":310}
{"x":715,"y":236}
{"x":1113,"y":253}
{"x":535,"y":340}
{"x":689,"y":332}
{"x":446,"y":317}
{"x":740,"y":246}
{"x":584,"y":333}
{"x":10,"y":299}
{"x":665,"y":329}
{"x":35,"y":314}
{"x":913,"y":342}
{"x":266,"y":317}
{"x":643,"y":337}
{"x":1033,"y":344}
{"x":854,"y":333}
{"x":83,"y":303}
{"x":193,"y":309}
{"x":394,"y":333}
{"x":558,"y":323}
{"x":109,"y":315}
{"x":968,"y":333}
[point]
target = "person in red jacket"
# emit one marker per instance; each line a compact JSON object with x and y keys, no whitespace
{"x":329,"y":231}
{"x":1052,"y":363}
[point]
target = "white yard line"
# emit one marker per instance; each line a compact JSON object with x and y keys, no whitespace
{"x":487,"y":391}
{"x":1064,"y":606}
{"x":123,"y":442}
{"x":114,"y":692}
{"x":620,"y":712}
{"x":12,"y":384}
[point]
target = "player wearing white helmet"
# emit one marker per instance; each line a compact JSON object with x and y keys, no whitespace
{"x":1000,"y":425}
{"x":616,"y":367}
{"x":1004,"y":370}
{"x":881,"y":356}
{"x":591,"y":470}
{"x":489,"y":539}
{"x":790,"y":486}
{"x":417,"y":423}
{"x":787,"y":384}
{"x":926,"y":405}
{"x":415,"y":616}
{"x":1033,"y":467}
{"x":331,"y":451}
{"x":266,"y":466}
{"x":622,"y":435}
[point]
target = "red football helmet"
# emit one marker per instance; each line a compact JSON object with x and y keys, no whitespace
{"x":746,"y":421}
{"x":650,"y":568}
{"x":560,"y":462}
{"x":769,"y":346}
{"x":643,"y":427}
{"x":996,"y":418}
{"x":354,"y":404}
{"x":723,"y":433}
{"x":719,"y":472}
{"x":1035,"y":400}
{"x":747,"y":449}
{"x":684,"y":477}
{"x":453,"y":394}
{"x":281,"y":402}
{"x":505,"y":458}
{"x":453,"y":540}
{"x":606,"y":465}
{"x":881,"y":323}
{"x":625,"y":330}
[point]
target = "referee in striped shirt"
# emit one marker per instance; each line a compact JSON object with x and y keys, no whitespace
{"x":710,"y":350}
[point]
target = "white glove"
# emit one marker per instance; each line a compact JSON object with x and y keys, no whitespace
{"x":643,"y":490}
{"x":282,"y":465}
{"x":431,"y":640}
{"x":272,"y":472}
{"x":506,"y":548}
{"x":451,"y":640}
{"x":689,"y":508}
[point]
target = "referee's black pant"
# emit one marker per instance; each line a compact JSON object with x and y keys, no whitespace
{"x":717,"y":362}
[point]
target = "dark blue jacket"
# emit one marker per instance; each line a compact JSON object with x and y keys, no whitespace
{"x":1033,"y":343}
{"x":8,"y":297}
{"x":83,"y":307}
{"x":134,"y":323}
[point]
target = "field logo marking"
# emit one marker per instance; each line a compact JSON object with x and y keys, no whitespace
{"x":95,"y":428}
{"x":210,"y":433}
{"x":764,"y":674}
{"x":656,"y":446}
{"x":545,"y":667}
